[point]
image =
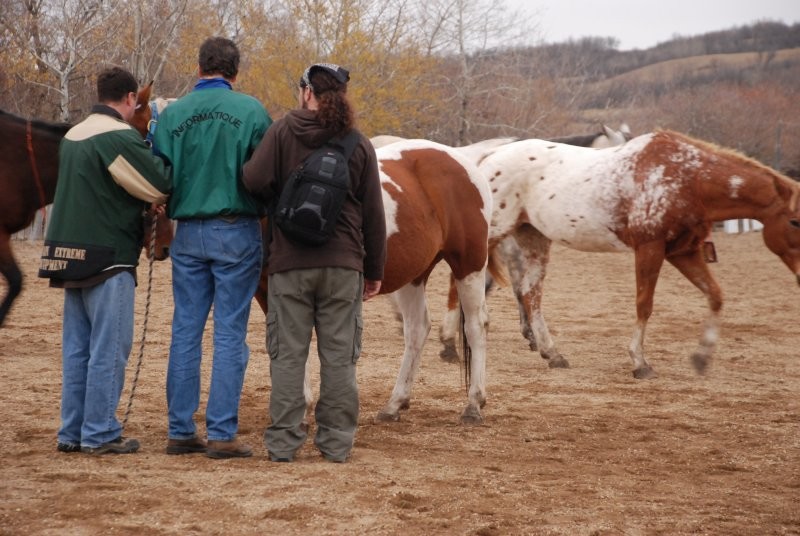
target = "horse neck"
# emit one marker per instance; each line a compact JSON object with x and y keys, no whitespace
{"x":42,"y":145}
{"x":744,"y":194}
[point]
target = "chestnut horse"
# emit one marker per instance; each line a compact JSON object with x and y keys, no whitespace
{"x":657,"y":196}
{"x":438,"y":207}
{"x":28,"y":176}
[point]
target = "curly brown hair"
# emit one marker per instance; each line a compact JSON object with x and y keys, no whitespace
{"x":335,"y":111}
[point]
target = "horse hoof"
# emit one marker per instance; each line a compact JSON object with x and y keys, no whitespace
{"x":532,"y":345}
{"x":471,"y":416}
{"x":700,"y":363}
{"x":449,"y":353}
{"x":557,"y":362}
{"x":645,"y":373}
{"x":382,"y":416}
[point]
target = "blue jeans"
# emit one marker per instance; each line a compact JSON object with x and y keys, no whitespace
{"x":214,"y":261}
{"x":96,"y":342}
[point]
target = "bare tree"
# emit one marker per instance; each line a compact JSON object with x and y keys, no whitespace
{"x":469,"y":36}
{"x":62,"y":37}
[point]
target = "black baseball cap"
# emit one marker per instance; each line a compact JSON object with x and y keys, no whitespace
{"x":339,"y":73}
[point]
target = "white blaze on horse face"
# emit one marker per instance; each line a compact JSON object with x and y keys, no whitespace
{"x":735,"y":183}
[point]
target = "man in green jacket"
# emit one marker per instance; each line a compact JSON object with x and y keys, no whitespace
{"x":106,"y":177}
{"x":207,"y":136}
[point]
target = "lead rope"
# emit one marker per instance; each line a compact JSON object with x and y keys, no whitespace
{"x":152,"y":256}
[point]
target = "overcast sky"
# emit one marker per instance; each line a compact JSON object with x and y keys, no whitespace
{"x":645,"y":23}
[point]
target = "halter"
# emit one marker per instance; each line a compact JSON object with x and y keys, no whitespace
{"x":152,"y":124}
{"x":35,"y":169}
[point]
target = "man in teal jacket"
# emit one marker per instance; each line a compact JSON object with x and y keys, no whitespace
{"x":207,"y":136}
{"x":106,"y":177}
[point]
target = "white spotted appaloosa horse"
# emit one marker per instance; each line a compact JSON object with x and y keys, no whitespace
{"x":657,"y":196}
{"x":508,"y":250}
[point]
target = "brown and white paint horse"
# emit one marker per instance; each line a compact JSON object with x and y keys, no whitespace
{"x":438,"y":207}
{"x":657,"y":196}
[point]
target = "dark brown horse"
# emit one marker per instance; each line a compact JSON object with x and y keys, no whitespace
{"x":28,"y":176}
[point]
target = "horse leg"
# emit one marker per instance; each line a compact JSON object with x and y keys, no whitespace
{"x":513,"y":257}
{"x":10,"y":270}
{"x":449,"y":327}
{"x":411,"y":301}
{"x":535,"y":248}
{"x":649,"y":259}
{"x":472,"y":292}
{"x":452,"y":319}
{"x":693,"y":266}
{"x":308,"y":394}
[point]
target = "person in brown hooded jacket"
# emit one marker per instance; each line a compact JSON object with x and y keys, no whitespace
{"x":318,"y":287}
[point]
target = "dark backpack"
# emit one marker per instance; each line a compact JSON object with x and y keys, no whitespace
{"x":312,"y":198}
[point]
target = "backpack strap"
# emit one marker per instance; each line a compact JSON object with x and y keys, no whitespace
{"x":347,"y":143}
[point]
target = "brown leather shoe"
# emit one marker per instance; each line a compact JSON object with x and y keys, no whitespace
{"x":185,"y":446}
{"x":228,"y":449}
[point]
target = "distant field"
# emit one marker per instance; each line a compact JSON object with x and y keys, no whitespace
{"x":698,"y":65}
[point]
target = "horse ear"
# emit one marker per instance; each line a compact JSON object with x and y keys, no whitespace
{"x":144,"y":93}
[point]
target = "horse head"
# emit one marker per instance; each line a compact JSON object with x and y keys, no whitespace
{"x":781,"y":231}
{"x":164,"y":232}
{"x":608,"y":137}
{"x":145,"y":117}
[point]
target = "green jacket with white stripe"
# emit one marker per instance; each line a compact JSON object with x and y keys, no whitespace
{"x":106,"y":177}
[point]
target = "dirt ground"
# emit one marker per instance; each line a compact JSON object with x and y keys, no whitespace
{"x":583,"y":451}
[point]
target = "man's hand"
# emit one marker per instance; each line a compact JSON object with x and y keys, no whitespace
{"x":371,"y":288}
{"x":158,"y":210}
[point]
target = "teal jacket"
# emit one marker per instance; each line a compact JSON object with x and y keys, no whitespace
{"x":206,"y":137}
{"x":106,"y":177}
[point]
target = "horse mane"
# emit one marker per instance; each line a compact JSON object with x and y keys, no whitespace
{"x":787,"y":181}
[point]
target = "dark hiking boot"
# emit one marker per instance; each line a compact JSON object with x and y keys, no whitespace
{"x":120,"y":445}
{"x":68,"y":447}
{"x":275,"y":458}
{"x":228,"y":449}
{"x":185,"y":446}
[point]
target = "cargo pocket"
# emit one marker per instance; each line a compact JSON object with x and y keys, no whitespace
{"x":357,"y":338}
{"x":272,"y":334}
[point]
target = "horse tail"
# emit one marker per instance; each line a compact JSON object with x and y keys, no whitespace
{"x":497,"y":268}
{"x":499,"y":273}
{"x":466,"y":350}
